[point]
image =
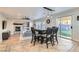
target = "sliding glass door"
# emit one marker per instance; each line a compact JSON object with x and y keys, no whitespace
{"x":64,"y":24}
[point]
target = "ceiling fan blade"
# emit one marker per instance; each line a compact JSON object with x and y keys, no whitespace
{"x":48,"y":9}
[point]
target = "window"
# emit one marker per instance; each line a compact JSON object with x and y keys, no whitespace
{"x":40,"y":25}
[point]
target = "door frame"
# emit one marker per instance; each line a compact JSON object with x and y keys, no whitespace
{"x":71,"y":25}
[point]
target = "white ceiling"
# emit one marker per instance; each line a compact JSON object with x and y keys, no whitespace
{"x":32,"y":12}
{"x":61,"y":9}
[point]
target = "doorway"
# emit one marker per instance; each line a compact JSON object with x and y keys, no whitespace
{"x":65,"y":27}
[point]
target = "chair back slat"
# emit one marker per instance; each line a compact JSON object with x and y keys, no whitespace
{"x":55,"y":30}
{"x":49,"y":31}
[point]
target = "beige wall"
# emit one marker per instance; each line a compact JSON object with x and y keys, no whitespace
{"x":10,"y":25}
{"x":52,"y":21}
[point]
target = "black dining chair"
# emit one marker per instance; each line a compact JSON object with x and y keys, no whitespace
{"x":49,"y":36}
{"x":42,"y":36}
{"x":32,"y":30}
{"x":54,"y":34}
{"x":35,"y":36}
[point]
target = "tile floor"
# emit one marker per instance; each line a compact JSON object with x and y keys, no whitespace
{"x":15,"y":44}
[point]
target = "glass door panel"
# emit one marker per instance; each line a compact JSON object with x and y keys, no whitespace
{"x":64,"y":24}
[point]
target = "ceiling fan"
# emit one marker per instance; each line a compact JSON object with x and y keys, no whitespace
{"x":48,"y":9}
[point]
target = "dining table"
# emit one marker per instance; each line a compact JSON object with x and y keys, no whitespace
{"x":42,"y":33}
